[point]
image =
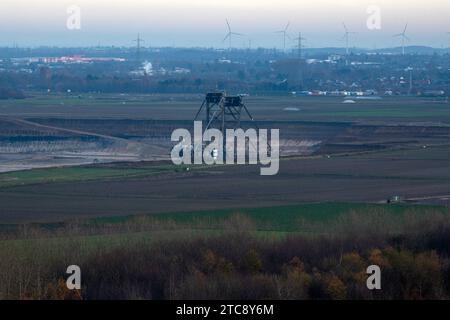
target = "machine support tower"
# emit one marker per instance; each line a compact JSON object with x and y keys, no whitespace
{"x":224,"y":112}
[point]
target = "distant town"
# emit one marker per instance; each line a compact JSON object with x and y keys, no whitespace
{"x":420,"y":71}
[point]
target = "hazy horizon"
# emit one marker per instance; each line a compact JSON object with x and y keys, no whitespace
{"x":201,"y":23}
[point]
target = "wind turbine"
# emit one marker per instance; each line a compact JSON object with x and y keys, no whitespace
{"x":404,"y":38}
{"x":347,"y":38}
{"x":230,"y":34}
{"x":284,"y":33}
{"x":300,"y":46}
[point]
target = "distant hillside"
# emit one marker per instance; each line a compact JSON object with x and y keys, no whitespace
{"x":397,"y":50}
{"x":414,"y":49}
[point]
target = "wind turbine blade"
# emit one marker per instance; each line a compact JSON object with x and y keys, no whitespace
{"x":406,"y":27}
{"x":237,"y":34}
{"x":227,"y":36}
{"x":228,"y":24}
{"x":406,"y":37}
{"x":287,"y":26}
{"x":345,"y":27}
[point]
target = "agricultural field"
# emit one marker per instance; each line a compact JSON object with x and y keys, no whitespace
{"x":111,"y":159}
{"x":404,"y":110}
{"x":107,"y":155}
{"x":417,"y":175}
{"x":81,"y":173}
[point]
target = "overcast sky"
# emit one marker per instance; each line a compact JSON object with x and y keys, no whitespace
{"x":202,"y":22}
